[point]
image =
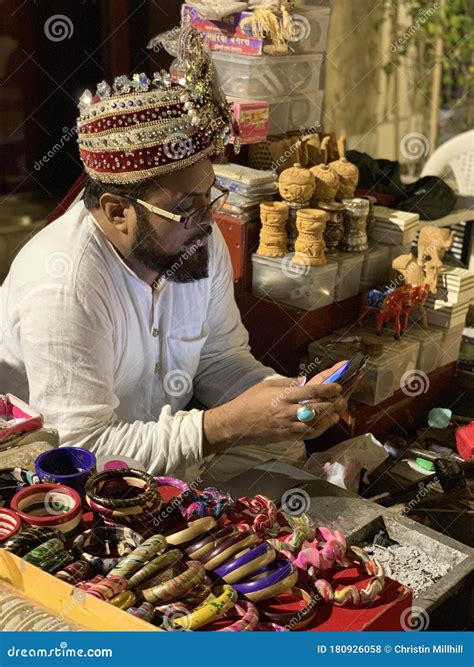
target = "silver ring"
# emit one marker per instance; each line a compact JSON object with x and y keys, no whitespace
{"x":305,"y":413}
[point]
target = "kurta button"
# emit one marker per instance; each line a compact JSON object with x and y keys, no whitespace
{"x":157,"y":368}
{"x":155,"y":332}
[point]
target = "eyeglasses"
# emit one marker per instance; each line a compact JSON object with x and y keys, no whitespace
{"x":193,"y":218}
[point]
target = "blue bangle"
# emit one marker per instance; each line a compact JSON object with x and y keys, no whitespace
{"x":224,"y":570}
{"x":278,"y":571}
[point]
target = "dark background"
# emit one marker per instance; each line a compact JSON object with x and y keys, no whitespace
{"x":41,"y":78}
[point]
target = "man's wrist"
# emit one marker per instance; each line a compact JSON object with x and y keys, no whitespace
{"x":216,"y":432}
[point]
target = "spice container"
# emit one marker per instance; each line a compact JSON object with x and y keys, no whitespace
{"x":355,"y":224}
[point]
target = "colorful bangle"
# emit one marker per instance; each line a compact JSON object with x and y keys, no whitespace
{"x":10,"y":524}
{"x":145,"y":611}
{"x":199,"y":593}
{"x":49,"y":505}
{"x":211,"y":502}
{"x":124,"y":600}
{"x":103,"y":547}
{"x":44,"y":551}
{"x":159,"y":563}
{"x":85,"y":585}
{"x":211,"y":609}
{"x":108,"y":588}
{"x":228,"y":548}
{"x":139,"y":556}
{"x":76,"y":571}
{"x":176,"y":586}
{"x":242,"y":567}
{"x":30,"y":537}
{"x":281,"y":576}
{"x":296,"y":619}
{"x":56,"y":562}
{"x":206,"y":544}
{"x":194,"y":529}
{"x":304,"y":529}
{"x":312,"y":555}
{"x":264,"y":509}
{"x":352,"y":594}
{"x":270,"y":627}
{"x":248,"y":621}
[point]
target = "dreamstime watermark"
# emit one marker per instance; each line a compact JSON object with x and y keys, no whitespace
{"x":414,"y":382}
{"x":177,"y":383}
{"x":303,"y":613}
{"x":68,"y":133}
{"x":58,"y":265}
{"x":292,"y":270}
{"x":414,"y":619}
{"x":295,"y":502}
{"x":414,"y":146}
{"x":178,"y":146}
{"x":61,"y":651}
{"x":58,"y":28}
{"x":423,"y":15}
{"x":423,"y":490}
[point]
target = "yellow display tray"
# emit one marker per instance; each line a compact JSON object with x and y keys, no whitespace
{"x":62,"y":598}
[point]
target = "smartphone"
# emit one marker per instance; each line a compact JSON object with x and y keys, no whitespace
{"x":348,"y":371}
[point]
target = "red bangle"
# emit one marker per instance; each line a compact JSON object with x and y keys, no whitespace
{"x":10,"y":523}
{"x":49,"y":505}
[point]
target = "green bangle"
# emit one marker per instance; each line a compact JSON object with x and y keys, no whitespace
{"x":156,"y":565}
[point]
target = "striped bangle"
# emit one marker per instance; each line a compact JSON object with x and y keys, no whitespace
{"x":282,"y":575}
{"x":248,"y":621}
{"x":103,"y":547}
{"x":139,"y":556}
{"x":49,"y":505}
{"x":108,"y":588}
{"x":54,"y":563}
{"x":295,"y":619}
{"x":76,"y":571}
{"x":10,"y":523}
{"x":264,"y":509}
{"x":31,"y":537}
{"x":44,"y":551}
{"x":176,"y":586}
{"x":124,"y":490}
{"x":242,"y":567}
{"x":228,"y":548}
{"x":193,"y":530}
{"x":156,"y":565}
{"x":206,"y":544}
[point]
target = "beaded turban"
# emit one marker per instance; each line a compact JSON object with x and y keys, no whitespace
{"x":138,"y":128}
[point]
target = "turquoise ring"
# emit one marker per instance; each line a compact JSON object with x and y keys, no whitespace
{"x":305,"y":413}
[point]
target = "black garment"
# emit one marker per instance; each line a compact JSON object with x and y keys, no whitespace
{"x":430,"y":196}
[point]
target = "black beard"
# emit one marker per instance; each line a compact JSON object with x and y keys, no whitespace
{"x":184,"y":267}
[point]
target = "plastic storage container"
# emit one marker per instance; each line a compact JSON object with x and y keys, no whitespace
{"x":431,"y":341}
{"x":296,"y":112}
{"x":450,"y":345}
{"x":306,"y":287}
{"x":312,"y":25}
{"x":376,"y":267}
{"x":446,"y":315}
{"x":349,"y":267}
{"x":264,"y":77}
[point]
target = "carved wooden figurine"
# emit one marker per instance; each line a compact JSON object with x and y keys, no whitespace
{"x":273,"y":239}
{"x":327,"y":183}
{"x":309,"y":246}
{"x":296,"y":185}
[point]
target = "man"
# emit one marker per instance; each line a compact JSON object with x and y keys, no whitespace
{"x":117,"y":314}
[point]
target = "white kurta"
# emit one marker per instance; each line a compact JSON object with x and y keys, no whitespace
{"x":112,"y":363}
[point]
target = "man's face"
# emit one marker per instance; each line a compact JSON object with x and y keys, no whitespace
{"x":167,"y":247}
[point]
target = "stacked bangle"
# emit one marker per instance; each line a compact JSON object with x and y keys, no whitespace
{"x":193,"y":530}
{"x":282,"y":575}
{"x":242,"y":567}
{"x":156,"y":565}
{"x":228,"y":548}
{"x":56,"y":562}
{"x":10,"y":524}
{"x":211,"y":609}
{"x":108,"y":588}
{"x":49,"y":505}
{"x":44,"y":551}
{"x":30,"y":537}
{"x":76,"y":571}
{"x":145,"y":611}
{"x":104,"y":546}
{"x":139,"y":556}
{"x":177,"y":586}
{"x":124,"y":496}
{"x":206,"y":544}
{"x":298,"y":619}
{"x":248,"y":621}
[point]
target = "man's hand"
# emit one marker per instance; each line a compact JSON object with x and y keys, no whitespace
{"x":266,"y":413}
